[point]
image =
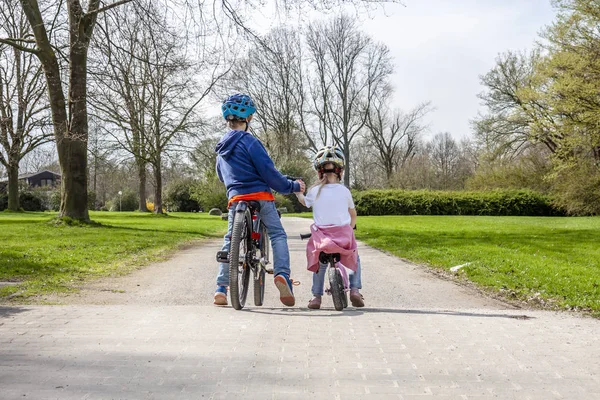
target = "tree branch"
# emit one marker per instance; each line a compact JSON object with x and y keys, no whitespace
{"x":13,"y":43}
{"x":108,"y":7}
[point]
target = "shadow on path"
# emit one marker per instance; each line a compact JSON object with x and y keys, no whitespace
{"x":6,"y":312}
{"x":303,"y":312}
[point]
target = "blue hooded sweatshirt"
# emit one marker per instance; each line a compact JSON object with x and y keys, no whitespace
{"x":245,"y":167}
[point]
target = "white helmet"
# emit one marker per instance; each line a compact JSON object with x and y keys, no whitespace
{"x":329,"y":154}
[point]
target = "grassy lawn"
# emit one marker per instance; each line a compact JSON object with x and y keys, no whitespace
{"x":551,"y":261}
{"x":47,"y":258}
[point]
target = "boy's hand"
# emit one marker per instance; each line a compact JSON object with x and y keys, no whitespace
{"x":302,"y":185}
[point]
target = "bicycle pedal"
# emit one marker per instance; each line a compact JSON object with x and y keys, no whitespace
{"x":269,"y":271}
{"x":223,"y":256}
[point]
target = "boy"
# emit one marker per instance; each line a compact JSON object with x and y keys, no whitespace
{"x":249,"y":174}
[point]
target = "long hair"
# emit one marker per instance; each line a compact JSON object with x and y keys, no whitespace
{"x":322,"y":182}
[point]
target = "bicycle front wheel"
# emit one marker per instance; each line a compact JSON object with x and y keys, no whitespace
{"x":259,"y":272}
{"x":239,"y":270}
{"x":336,"y":284}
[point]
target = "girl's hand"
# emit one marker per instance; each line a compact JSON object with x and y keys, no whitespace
{"x":302,"y":185}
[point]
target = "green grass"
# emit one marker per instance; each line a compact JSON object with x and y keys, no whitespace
{"x":550,"y":261}
{"x":46,"y":257}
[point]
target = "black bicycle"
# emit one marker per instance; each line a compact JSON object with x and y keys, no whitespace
{"x":338,"y":278}
{"x":249,"y":251}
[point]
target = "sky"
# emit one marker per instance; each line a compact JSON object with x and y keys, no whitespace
{"x":441,"y":48}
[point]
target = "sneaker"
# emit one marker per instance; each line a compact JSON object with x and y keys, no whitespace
{"x":356,"y":298}
{"x":221,"y":296}
{"x":286,"y":294}
{"x":315,"y":303}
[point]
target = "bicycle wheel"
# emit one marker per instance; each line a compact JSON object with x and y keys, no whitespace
{"x":239,"y":270}
{"x":259,"y":273}
{"x":336,"y":284}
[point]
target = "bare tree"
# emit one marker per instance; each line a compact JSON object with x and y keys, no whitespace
{"x":273,"y":76}
{"x":395,"y":134}
{"x":445,"y":158}
{"x":150,"y":91}
{"x":24,"y":108}
{"x":350,"y":70}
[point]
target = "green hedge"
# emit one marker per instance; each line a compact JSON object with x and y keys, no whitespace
{"x":423,"y":202}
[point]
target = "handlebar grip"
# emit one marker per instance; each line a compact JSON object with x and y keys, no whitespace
{"x":305,"y":236}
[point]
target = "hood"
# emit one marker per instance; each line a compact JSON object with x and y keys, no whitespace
{"x":227,"y":143}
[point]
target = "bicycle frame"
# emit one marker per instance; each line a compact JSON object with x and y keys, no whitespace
{"x":255,"y":239}
{"x":330,"y":259}
{"x":253,"y":261}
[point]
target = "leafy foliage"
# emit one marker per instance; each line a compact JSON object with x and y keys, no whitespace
{"x":422,"y":202}
{"x":178,"y":196}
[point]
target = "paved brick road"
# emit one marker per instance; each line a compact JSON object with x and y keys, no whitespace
{"x":418,"y":338}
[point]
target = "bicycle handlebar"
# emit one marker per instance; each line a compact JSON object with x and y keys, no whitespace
{"x":293,"y":178}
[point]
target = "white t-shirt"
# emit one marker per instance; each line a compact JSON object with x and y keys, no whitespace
{"x":331,"y":207}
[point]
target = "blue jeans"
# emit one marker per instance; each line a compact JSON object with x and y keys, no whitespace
{"x":319,"y":279}
{"x":281,"y":253}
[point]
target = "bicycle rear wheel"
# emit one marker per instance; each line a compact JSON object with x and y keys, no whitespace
{"x":336,"y":284}
{"x":239,"y":270}
{"x":259,"y":272}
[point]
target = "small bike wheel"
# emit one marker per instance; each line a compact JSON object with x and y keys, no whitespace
{"x":336,"y":284}
{"x":239,"y":270}
{"x":259,"y":273}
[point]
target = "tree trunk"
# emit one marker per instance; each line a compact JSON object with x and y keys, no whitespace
{"x":13,"y":186}
{"x":142,"y":186}
{"x":72,"y":149}
{"x":158,"y":188}
{"x":347,"y":166}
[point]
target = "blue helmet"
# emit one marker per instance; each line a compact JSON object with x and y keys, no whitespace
{"x":238,"y":107}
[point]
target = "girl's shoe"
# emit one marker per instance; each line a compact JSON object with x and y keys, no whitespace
{"x":220,"y":298}
{"x":356,"y":298}
{"x":315,"y":303}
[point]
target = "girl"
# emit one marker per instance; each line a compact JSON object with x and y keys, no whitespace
{"x":334,"y":218}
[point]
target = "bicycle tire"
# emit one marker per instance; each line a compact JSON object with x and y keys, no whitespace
{"x":259,"y":272}
{"x":239,"y":270}
{"x":336,"y":285}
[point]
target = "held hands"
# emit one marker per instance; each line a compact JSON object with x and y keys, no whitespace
{"x":302,"y":186}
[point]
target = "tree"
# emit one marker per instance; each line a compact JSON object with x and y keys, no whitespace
{"x":445,"y":157}
{"x":395,"y":134}
{"x":273,"y":75}
{"x":518,"y":115}
{"x":150,"y":91}
{"x":24,"y":114}
{"x":350,"y":70}
{"x":570,"y":75}
{"x":69,"y":113}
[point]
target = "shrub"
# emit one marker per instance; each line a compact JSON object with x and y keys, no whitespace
{"x":576,"y":189}
{"x":210,"y":193}
{"x":497,"y":202}
{"x":178,"y":196}
{"x":128,"y":201}
{"x":3,"y":201}
{"x":31,"y":201}
{"x":54,"y":200}
{"x":282,"y":201}
{"x":150,"y":206}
